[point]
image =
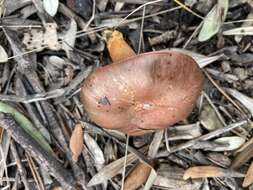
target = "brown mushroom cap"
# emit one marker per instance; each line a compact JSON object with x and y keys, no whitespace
{"x":146,"y":92}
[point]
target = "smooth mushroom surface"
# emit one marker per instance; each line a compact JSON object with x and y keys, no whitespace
{"x":143,"y":93}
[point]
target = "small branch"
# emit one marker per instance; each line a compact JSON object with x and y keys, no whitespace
{"x":37,"y":152}
{"x":20,"y":167}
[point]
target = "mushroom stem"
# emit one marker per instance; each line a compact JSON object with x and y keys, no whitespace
{"x":117,"y":46}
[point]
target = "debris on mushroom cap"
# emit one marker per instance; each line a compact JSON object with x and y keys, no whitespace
{"x":143,"y":93}
{"x":117,"y":46}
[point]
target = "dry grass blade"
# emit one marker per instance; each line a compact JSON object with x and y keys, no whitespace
{"x":137,"y":177}
{"x":248,"y":180}
{"x":76,"y":142}
{"x":209,"y":171}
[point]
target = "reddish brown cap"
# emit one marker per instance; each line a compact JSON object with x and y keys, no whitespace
{"x":146,"y":92}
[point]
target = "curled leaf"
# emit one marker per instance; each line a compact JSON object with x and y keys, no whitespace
{"x":76,"y":142}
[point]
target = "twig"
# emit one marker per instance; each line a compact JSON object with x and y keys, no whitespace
{"x":39,"y":154}
{"x":33,"y":171}
{"x":141,"y":31}
{"x":165,"y":37}
{"x":225,"y":94}
{"x":20,"y":167}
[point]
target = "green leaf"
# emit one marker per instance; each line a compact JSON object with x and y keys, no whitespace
{"x":26,"y":125}
{"x":213,"y":21}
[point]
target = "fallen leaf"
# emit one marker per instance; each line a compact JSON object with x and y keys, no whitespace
{"x":95,"y":150}
{"x":243,"y":156}
{"x":209,"y":171}
{"x":213,"y":20}
{"x":57,"y":188}
{"x":3,"y":55}
{"x":76,"y":142}
{"x":245,"y":100}
{"x":209,"y":119}
{"x":245,"y":31}
{"x":232,"y":143}
{"x":151,"y":179}
{"x":27,"y":125}
{"x":202,"y":60}
{"x":51,"y":6}
{"x":248,"y":180}
{"x":245,"y":24}
{"x":137,"y":177}
{"x":69,"y":38}
{"x":177,"y":184}
{"x":111,"y":170}
{"x":184,"y":132}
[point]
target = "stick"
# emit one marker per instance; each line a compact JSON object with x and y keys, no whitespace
{"x":37,"y":152}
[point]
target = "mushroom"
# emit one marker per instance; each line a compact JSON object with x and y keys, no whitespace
{"x":143,"y":93}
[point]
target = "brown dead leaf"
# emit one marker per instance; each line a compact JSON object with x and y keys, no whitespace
{"x":57,"y":188}
{"x":243,"y":156}
{"x":1,"y":131}
{"x":137,"y":177}
{"x":209,"y":171}
{"x":76,"y":142}
{"x":248,"y":180}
